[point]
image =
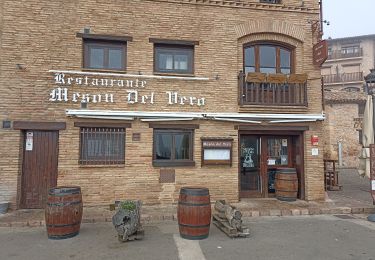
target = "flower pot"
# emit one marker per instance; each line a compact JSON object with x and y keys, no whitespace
{"x":4,"y":207}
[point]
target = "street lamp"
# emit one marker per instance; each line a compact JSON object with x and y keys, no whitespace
{"x":370,"y":89}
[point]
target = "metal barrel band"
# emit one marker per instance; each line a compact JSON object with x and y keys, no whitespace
{"x":193,"y":204}
{"x":194,"y":226}
{"x":60,"y":204}
{"x":56,"y":237}
{"x":64,"y":225}
{"x":190,"y":237}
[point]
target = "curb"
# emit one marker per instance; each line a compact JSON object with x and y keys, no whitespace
{"x":150,"y":219}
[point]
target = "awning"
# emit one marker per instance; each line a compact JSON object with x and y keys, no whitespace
{"x":186,"y":116}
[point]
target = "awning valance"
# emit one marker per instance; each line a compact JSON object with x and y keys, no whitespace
{"x":186,"y":116}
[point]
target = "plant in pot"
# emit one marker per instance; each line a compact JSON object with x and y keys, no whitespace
{"x":127,"y":220}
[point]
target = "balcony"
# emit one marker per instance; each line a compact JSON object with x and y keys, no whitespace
{"x":343,"y":78}
{"x":340,"y":54}
{"x":272,"y":89}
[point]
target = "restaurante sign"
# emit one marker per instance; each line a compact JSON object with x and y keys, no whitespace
{"x":132,"y":88}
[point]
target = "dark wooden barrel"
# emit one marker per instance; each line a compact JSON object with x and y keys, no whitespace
{"x":194,"y":213}
{"x":63,"y":212}
{"x":286,"y":184}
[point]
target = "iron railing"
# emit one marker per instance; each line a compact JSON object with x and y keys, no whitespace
{"x":343,"y":77}
{"x":339,"y":54}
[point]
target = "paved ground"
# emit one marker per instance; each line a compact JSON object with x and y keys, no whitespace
{"x":355,"y":190}
{"x":303,"y":237}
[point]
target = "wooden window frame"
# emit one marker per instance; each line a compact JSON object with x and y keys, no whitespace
{"x":92,"y":131}
{"x":173,"y":162}
{"x":106,"y":45}
{"x":278,"y":47}
{"x":174,"y":48}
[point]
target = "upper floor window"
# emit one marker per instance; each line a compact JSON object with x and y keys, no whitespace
{"x":104,"y":52}
{"x":104,"y":55}
{"x":350,"y":49}
{"x":173,"y":56}
{"x":270,"y":1}
{"x":174,"y":59}
{"x":267,"y":58}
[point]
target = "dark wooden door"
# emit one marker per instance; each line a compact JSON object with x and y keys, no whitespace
{"x":39,"y":168}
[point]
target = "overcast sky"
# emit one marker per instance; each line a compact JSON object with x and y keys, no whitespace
{"x":348,"y":18}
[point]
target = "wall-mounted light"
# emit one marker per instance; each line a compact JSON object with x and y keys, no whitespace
{"x":217,"y":76}
{"x":86,"y":30}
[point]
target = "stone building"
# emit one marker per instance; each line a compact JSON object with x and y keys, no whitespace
{"x":349,"y":60}
{"x":135,"y":99}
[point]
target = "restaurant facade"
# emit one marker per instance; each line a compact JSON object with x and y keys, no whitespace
{"x":136,"y":99}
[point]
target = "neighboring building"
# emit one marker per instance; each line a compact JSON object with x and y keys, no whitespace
{"x":349,"y":60}
{"x":135,"y":99}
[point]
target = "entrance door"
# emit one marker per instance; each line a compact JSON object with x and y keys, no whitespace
{"x":250,"y":166}
{"x":261,"y":155}
{"x":39,"y":168}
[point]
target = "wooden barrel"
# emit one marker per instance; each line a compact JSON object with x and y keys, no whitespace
{"x":194,"y":213}
{"x":286,"y":184}
{"x":63,"y":212}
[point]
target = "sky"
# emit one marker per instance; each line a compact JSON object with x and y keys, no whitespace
{"x":348,"y":18}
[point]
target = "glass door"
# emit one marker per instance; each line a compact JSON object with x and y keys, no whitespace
{"x":250,"y":166}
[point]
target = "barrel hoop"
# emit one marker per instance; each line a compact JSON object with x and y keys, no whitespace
{"x":194,"y":237}
{"x":63,"y":236}
{"x":286,"y":198}
{"x":193,"y":204}
{"x":286,"y":190}
{"x":194,"y":192}
{"x":60,"y":194}
{"x":68,"y":203}
{"x":64,"y":191}
{"x":194,"y":226}
{"x":64,"y":225}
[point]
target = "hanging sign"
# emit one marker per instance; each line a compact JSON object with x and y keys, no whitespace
{"x":29,"y":141}
{"x":372,"y":171}
{"x":320,"y":52}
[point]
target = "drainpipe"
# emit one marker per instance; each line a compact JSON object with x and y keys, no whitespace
{"x":340,"y":153}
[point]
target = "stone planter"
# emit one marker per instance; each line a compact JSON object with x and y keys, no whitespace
{"x":127,"y":220}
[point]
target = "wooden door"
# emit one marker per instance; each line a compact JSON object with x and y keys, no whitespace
{"x":39,"y":167}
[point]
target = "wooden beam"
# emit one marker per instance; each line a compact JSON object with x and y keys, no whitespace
{"x":33,"y":125}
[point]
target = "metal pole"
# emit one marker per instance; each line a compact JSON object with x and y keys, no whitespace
{"x":371,"y":217}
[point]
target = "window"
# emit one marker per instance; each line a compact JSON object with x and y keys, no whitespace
{"x":267,"y":58}
{"x":174,"y":58}
{"x":102,"y":146}
{"x":173,"y":147}
{"x":350,"y":49}
{"x":270,"y":1}
{"x":104,"y":55}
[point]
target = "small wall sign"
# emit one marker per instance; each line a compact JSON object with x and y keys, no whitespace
{"x":29,"y":141}
{"x":320,"y":52}
{"x":216,"y":151}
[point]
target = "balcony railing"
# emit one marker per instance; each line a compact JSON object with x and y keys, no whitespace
{"x":342,"y":78}
{"x":272,"y":89}
{"x":339,"y":54}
